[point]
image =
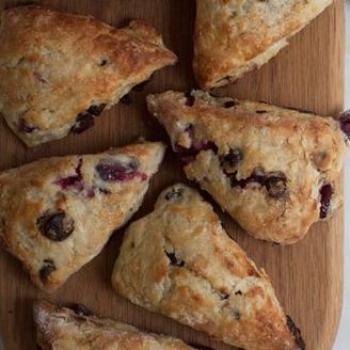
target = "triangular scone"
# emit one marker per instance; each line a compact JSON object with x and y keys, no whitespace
{"x":180,"y":262}
{"x":233,"y":37}
{"x":56,"y":214}
{"x":273,"y":170}
{"x":75,"y":328}
{"x":58,"y":71}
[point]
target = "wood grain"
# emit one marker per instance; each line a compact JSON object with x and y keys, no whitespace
{"x":307,"y":276}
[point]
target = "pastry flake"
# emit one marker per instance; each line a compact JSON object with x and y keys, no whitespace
{"x":273,"y":170}
{"x":74,"y":327}
{"x":56,"y":214}
{"x":179,"y":261}
{"x":233,"y":37}
{"x":59,"y":71}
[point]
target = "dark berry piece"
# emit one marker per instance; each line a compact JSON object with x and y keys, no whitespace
{"x":23,"y":126}
{"x":103,"y":62}
{"x":104,"y":191}
{"x":174,"y":194}
{"x":189,"y":100}
{"x":224,"y":296}
{"x":174,"y":261}
{"x":238,"y":292}
{"x":274,"y":182}
{"x":114,"y":170}
{"x":230,"y":161}
{"x":229,"y":104}
{"x":326,"y":193}
{"x":344,"y":121}
{"x":126,"y":99}
{"x":73,"y":181}
{"x":190,"y":129}
{"x":276,"y":185}
{"x":236,"y":315}
{"x":260,"y":112}
{"x":257,"y":177}
{"x":299,"y":341}
{"x":84,"y":122}
{"x":96,"y":110}
{"x":46,"y":270}
{"x":189,"y":154}
{"x":80,"y":309}
{"x":56,"y":226}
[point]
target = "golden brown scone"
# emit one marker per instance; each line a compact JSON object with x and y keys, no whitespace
{"x":273,"y":170}
{"x":180,"y":262}
{"x":56,"y":214}
{"x":58,"y":71}
{"x":233,"y":37}
{"x":75,"y":328}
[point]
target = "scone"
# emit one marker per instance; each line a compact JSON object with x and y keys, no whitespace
{"x":56,"y":214}
{"x":273,"y":170}
{"x":58,"y":71}
{"x":233,"y":37}
{"x":75,"y":328}
{"x":179,"y":261}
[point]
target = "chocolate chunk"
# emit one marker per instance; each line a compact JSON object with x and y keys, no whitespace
{"x":56,"y":226}
{"x":46,"y":270}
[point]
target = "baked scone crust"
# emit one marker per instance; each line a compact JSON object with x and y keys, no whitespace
{"x":62,"y":328}
{"x":179,"y":261}
{"x":58,"y":70}
{"x":56,"y":214}
{"x":233,"y":37}
{"x":284,"y":175}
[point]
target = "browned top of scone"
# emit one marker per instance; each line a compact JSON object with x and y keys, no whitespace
{"x":56,"y":214}
{"x":274,"y":170}
{"x":54,"y":66}
{"x":233,"y":36}
{"x":179,"y":261}
{"x":75,"y":327}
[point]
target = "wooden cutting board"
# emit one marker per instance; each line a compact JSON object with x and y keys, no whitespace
{"x":308,"y":277}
